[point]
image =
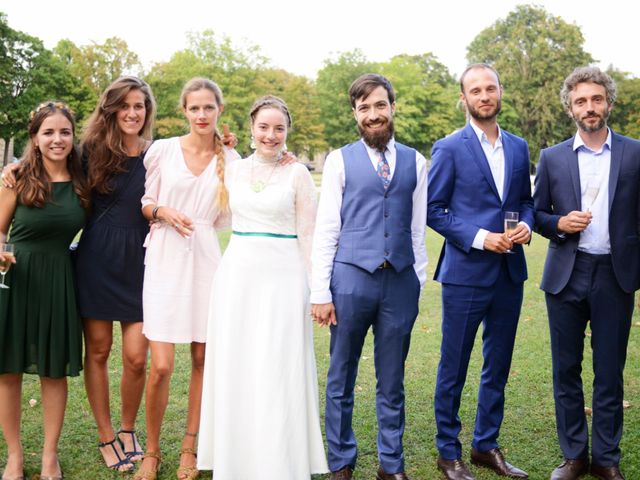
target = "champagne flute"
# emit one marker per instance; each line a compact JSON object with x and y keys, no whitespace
{"x":510,"y":224}
{"x":590,"y":194}
{"x":8,"y":251}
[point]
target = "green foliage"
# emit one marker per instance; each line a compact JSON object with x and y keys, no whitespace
{"x":29,"y":74}
{"x":625,"y":116}
{"x":92,"y":68}
{"x":333,"y":83}
{"x":426,"y":99}
{"x":533,"y":51}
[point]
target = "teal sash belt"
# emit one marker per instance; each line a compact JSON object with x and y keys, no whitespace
{"x":263,"y":234}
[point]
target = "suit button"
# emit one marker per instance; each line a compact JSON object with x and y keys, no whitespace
{"x":386,"y":214}
{"x":386,"y":235}
{"x":386,"y":253}
{"x":386,"y":195}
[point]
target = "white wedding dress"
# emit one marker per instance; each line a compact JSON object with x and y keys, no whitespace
{"x":260,"y":417}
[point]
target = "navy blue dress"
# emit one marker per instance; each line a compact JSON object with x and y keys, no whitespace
{"x":110,"y":256}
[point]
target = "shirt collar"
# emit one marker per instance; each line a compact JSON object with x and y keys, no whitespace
{"x":579,"y":143}
{"x":390,"y":146}
{"x":482,"y":136}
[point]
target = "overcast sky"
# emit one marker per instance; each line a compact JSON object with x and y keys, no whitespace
{"x":298,"y":35}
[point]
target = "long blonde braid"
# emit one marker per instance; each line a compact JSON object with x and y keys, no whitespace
{"x":193,"y":85}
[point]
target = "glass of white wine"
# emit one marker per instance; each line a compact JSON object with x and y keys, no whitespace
{"x":510,"y":224}
{"x":8,"y":251}
{"x":590,"y":194}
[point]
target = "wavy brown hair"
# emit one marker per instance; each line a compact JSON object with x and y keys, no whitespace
{"x":193,"y":85}
{"x":103,"y":142}
{"x":33,"y":183}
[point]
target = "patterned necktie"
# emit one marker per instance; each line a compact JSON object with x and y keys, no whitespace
{"x":384,"y":172}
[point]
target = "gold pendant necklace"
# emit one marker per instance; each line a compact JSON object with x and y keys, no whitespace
{"x":259,"y":185}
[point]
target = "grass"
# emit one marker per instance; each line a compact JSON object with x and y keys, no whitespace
{"x":528,"y":433}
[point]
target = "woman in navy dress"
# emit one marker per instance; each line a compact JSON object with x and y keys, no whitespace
{"x":110,"y":259}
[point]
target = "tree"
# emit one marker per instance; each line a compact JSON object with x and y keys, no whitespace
{"x":332,"y":85}
{"x":625,"y":116}
{"x":426,"y":99}
{"x":306,"y":137}
{"x":533,"y":51}
{"x":29,"y":74}
{"x":93,"y":68}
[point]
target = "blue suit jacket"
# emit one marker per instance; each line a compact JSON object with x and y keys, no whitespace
{"x":463,"y":198}
{"x":557,"y":193}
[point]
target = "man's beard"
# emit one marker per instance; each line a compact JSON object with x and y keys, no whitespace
{"x":485,"y":116}
{"x":377,"y":139}
{"x":582,"y":125}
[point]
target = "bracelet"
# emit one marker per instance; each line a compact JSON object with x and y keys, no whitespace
{"x":154,"y":212}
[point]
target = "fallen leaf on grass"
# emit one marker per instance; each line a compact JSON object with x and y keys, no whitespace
{"x":358,"y":388}
{"x":33,"y":402}
{"x":588,"y":410}
{"x":626,"y":404}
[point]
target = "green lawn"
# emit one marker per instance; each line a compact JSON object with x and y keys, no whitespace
{"x":528,"y":435}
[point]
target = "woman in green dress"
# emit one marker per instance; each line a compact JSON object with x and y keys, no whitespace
{"x":40,"y":329}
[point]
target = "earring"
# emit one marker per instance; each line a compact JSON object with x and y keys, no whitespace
{"x":253,"y":143}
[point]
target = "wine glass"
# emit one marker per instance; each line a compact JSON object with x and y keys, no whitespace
{"x":510,"y":224}
{"x":590,"y":194}
{"x":7,"y":250}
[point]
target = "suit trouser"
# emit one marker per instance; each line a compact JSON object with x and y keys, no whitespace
{"x":388,"y":302}
{"x":592,"y":294}
{"x":464,"y":308}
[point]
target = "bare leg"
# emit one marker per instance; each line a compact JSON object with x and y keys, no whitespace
{"x":54,"y":402}
{"x":10,"y":395}
{"x":195,"y":402}
{"x":157,"y":397}
{"x":134,"y":364}
{"x":98,"y":335}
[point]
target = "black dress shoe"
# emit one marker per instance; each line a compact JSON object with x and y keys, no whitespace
{"x":455,"y":469}
{"x":381,"y":475}
{"x":571,"y":469}
{"x":345,"y":473}
{"x":494,"y":460}
{"x":606,"y":473}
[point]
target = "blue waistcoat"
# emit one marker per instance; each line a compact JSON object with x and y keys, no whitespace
{"x":376,"y":224}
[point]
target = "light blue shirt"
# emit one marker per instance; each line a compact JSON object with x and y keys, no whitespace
{"x":594,"y":167}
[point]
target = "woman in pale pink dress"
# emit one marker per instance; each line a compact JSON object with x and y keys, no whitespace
{"x":185,"y":198}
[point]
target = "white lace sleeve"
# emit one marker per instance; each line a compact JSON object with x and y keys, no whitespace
{"x":306,"y":208}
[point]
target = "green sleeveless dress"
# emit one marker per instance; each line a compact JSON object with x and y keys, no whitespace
{"x":40,"y":328}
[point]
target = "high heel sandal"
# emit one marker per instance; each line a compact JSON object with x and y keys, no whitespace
{"x":185,"y":472}
{"x":122,"y":462}
{"x":133,"y":455}
{"x":149,"y":474}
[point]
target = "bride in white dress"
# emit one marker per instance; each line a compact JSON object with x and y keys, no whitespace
{"x":260,"y":417}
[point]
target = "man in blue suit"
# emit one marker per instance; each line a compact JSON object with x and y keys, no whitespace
{"x":586,"y":201}
{"x":477,"y":175}
{"x":369,"y":262}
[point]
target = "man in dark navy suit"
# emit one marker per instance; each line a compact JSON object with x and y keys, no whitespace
{"x":478,"y":175}
{"x":586,"y":201}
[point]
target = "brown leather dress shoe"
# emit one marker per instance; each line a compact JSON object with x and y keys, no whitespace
{"x":455,"y":469}
{"x":381,"y":475}
{"x":606,"y":473}
{"x":494,"y":460}
{"x":345,"y":473}
{"x":571,"y":469}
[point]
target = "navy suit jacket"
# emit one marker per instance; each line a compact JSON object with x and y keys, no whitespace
{"x":557,"y":192}
{"x":463,"y":198}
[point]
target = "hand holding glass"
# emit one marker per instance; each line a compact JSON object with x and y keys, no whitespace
{"x":510,"y":224}
{"x":7,"y":256}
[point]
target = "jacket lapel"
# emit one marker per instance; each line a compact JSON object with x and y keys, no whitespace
{"x":617,"y":148}
{"x":508,"y":165}
{"x":574,"y":173}
{"x":472,"y":143}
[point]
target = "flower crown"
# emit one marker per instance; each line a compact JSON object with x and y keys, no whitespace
{"x":58,"y":105}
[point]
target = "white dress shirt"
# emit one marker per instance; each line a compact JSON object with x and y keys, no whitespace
{"x":594,"y":167}
{"x":329,"y":223}
{"x":495,"y":158}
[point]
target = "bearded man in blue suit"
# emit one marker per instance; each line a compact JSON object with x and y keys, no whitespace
{"x":477,"y":175}
{"x":586,"y":200}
